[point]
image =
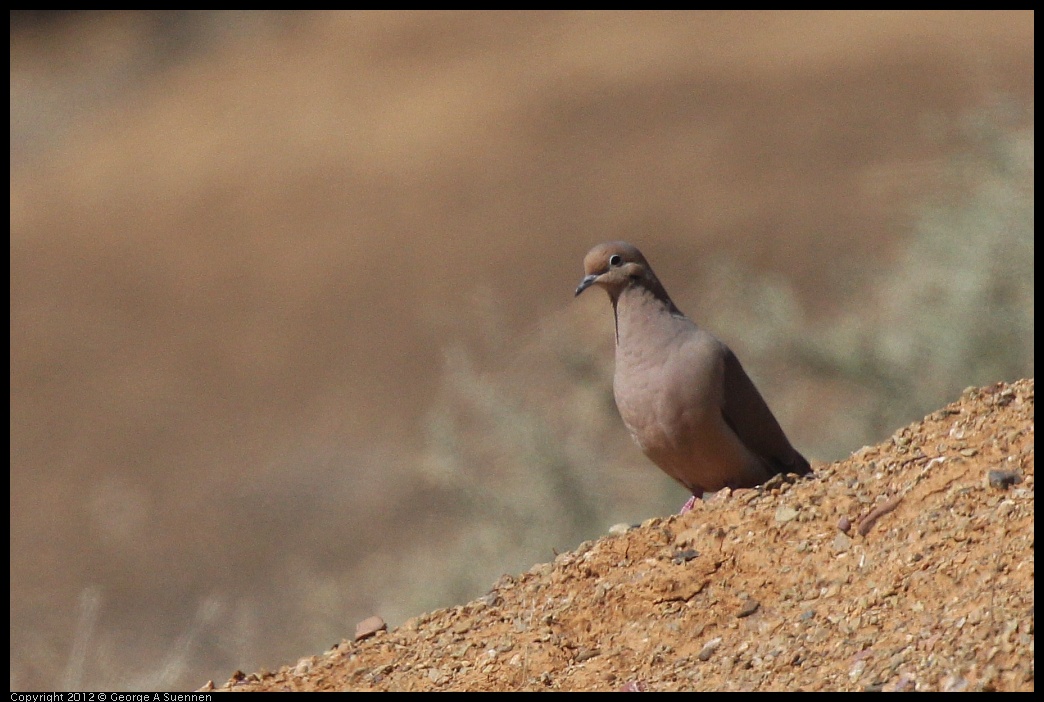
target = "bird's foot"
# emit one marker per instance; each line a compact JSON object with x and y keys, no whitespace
{"x":722,"y":494}
{"x":690,"y":503}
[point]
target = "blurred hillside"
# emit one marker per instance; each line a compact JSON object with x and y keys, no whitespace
{"x":293,"y":334}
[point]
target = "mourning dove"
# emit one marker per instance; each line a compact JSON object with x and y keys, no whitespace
{"x":681,"y":392}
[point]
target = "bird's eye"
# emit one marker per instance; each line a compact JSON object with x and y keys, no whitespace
{"x":615,"y":260}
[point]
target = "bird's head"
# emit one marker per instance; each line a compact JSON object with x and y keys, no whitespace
{"x":614,"y":266}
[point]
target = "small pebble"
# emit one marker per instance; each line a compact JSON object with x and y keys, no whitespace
{"x":749,"y":607}
{"x":708,"y":649}
{"x":1003,"y":479}
{"x":368,"y":627}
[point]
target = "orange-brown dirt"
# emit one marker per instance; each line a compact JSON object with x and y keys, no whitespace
{"x":903,"y":567}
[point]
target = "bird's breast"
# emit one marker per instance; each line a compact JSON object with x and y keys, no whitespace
{"x":665,"y":399}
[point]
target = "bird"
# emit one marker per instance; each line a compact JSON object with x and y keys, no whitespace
{"x":682,"y":393}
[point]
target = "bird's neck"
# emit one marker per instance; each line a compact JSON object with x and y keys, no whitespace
{"x":640,"y":306}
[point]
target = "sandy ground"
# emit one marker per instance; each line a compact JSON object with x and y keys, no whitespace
{"x":904,"y":567}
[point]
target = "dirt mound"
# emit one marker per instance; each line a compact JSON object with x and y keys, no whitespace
{"x":908,"y":566}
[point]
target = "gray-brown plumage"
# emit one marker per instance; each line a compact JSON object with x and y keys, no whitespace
{"x":681,"y":392}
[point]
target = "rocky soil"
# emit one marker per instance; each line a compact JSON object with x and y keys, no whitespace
{"x":907,"y":566}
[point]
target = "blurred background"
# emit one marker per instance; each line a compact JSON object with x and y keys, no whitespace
{"x":293,"y":335}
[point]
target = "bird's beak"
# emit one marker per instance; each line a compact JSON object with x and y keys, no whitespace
{"x":587,"y":282}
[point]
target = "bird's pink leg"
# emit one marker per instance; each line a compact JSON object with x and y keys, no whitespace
{"x":691,"y":502}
